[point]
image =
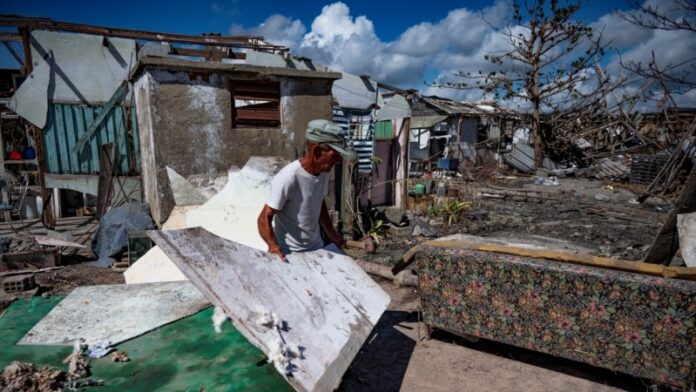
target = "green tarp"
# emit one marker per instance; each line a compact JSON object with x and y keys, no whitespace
{"x":185,"y":355}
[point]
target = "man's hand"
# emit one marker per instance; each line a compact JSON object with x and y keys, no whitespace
{"x":266,"y":231}
{"x":278,"y":252}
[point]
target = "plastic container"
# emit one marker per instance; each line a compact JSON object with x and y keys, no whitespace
{"x":441,"y":189}
{"x":29,"y":153}
{"x":28,"y":208}
{"x":420,"y":189}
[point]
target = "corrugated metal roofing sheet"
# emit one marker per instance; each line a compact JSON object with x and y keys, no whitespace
{"x":610,"y":168}
{"x":522,"y":158}
{"x":67,"y":123}
{"x":426,"y":121}
{"x":354,"y":92}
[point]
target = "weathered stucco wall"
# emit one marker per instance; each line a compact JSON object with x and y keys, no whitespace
{"x":191,"y":129}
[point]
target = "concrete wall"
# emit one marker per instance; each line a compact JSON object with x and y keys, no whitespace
{"x":190,"y":128}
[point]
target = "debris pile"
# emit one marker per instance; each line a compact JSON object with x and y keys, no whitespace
{"x":25,"y":377}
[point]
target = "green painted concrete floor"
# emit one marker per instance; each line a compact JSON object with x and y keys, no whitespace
{"x":186,"y":355}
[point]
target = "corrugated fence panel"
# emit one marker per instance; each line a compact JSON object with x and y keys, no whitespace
{"x":358,"y":126}
{"x":67,"y":123}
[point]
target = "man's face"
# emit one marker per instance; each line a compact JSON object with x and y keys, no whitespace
{"x":326,"y":157}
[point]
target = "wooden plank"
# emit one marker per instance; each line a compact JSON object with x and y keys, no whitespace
{"x":257,"y":114}
{"x":106,"y":176}
{"x":583,"y":259}
{"x":4,"y":196}
{"x":325,"y":303}
{"x":115,"y":99}
{"x":70,"y":120}
{"x":49,"y":241}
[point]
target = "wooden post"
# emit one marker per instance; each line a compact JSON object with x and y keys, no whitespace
{"x":47,"y":216}
{"x":459,"y":137}
{"x":56,"y":203}
{"x":4,"y":196}
{"x":26,"y":45}
{"x":400,"y":185}
{"x":347,"y":196}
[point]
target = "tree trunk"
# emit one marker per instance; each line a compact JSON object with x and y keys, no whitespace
{"x":538,"y":142}
{"x":536,"y":117}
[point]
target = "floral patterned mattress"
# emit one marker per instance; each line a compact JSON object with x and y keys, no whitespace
{"x":627,"y":322}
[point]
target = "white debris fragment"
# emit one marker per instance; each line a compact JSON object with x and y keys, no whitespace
{"x":219,"y":317}
{"x":269,"y":319}
{"x":277,"y":357}
{"x":100,"y":349}
{"x":280,"y":354}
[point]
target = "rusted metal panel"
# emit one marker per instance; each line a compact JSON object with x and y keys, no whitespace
{"x":67,"y":123}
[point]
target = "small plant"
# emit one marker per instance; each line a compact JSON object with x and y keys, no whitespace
{"x":378,"y":230}
{"x":450,"y":210}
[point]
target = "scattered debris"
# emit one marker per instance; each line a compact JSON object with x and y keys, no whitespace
{"x":99,"y":350}
{"x":111,"y":238}
{"x":120,"y":356}
{"x":26,"y":377}
{"x":546,"y":181}
{"x":18,"y":283}
{"x":78,"y":365}
{"x":423,"y":228}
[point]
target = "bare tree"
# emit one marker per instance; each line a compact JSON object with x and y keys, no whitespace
{"x":674,"y":15}
{"x":549,"y":55}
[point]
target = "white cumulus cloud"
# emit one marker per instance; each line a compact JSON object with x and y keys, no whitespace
{"x":457,"y":42}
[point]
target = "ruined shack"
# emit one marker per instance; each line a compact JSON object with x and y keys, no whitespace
{"x":204,"y":117}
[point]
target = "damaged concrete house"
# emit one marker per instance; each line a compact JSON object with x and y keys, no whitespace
{"x":162,"y":108}
{"x":465,"y":266}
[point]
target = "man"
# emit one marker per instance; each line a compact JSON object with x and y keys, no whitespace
{"x":295,"y":213}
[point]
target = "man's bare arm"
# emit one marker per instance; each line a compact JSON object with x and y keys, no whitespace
{"x":265,"y":225}
{"x":325,"y":221}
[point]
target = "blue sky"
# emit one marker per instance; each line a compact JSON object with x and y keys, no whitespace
{"x":406,"y":43}
{"x":195,"y":17}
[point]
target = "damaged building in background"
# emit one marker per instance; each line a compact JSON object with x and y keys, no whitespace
{"x":375,"y":118}
{"x":450,"y":135}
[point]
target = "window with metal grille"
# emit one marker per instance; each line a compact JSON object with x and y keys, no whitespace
{"x":255,"y":103}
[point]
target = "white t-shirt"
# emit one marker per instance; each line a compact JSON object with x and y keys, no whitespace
{"x":297,"y":195}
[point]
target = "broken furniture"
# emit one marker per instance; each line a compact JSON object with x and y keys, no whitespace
{"x":320,"y":303}
{"x":568,"y":305}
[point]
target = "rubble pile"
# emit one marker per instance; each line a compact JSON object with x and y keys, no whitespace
{"x":26,"y":377}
